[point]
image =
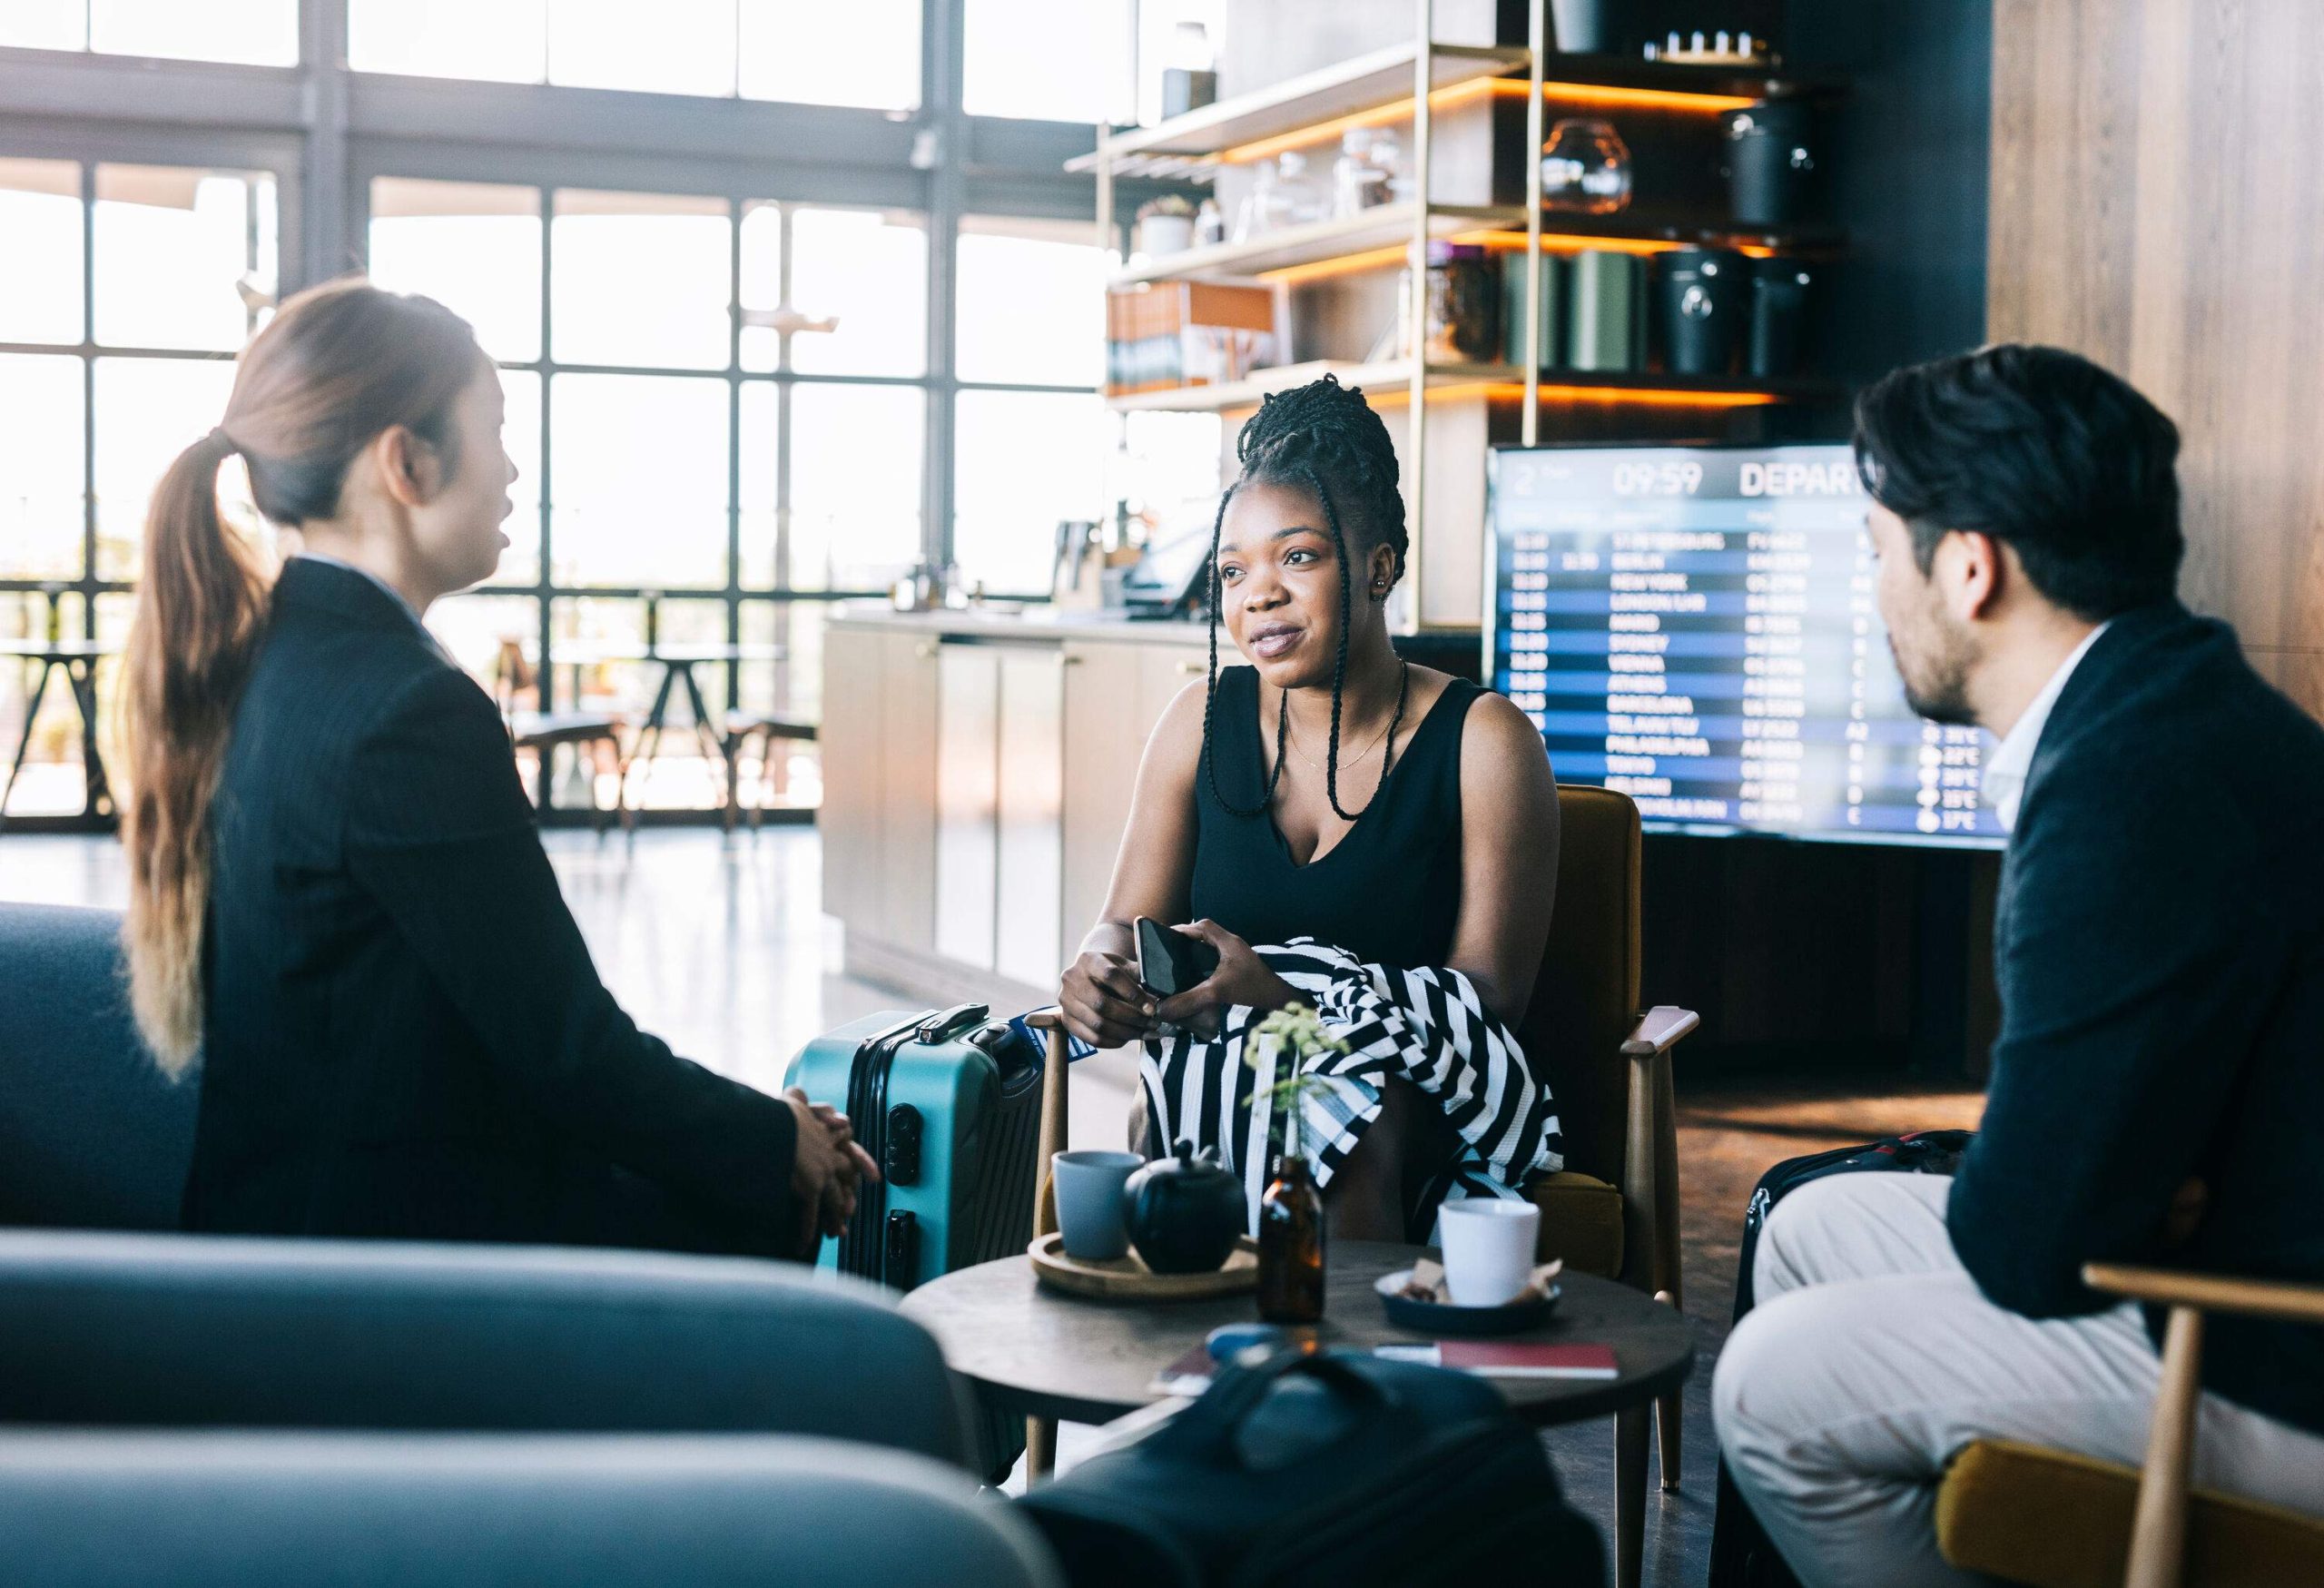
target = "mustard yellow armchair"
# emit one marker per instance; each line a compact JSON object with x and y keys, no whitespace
{"x":2054,"y":1520}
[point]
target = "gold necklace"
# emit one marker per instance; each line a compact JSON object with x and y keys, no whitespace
{"x":1361,"y":757}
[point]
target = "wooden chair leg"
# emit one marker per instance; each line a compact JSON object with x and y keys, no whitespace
{"x":1669,"y":1413}
{"x":1629,"y":1495}
{"x":1040,"y":1449}
{"x":2158,"y":1527}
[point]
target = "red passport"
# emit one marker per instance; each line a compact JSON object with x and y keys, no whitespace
{"x":1499,"y":1359}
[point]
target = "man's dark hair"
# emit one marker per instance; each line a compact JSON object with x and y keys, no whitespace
{"x":1307,"y":437}
{"x":2041,"y":449}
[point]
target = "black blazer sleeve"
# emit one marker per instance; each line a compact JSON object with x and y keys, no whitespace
{"x":439,"y":832}
{"x":2135,"y":961}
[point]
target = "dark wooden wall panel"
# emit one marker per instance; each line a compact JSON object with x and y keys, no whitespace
{"x":2158,"y":204}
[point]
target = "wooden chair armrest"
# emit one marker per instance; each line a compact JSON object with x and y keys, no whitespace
{"x":2271,"y":1299}
{"x":1055,"y":1067}
{"x":1047,"y":1020}
{"x":1659,"y":1031}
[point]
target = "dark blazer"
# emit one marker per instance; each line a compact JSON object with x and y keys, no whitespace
{"x":2160,"y":955}
{"x":403,"y":1034}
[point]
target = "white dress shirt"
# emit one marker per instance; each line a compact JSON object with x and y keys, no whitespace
{"x":2003,"y":781}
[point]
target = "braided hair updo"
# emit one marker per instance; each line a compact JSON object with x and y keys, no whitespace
{"x":1322,"y":431}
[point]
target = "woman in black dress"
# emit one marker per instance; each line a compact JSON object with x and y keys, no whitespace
{"x":1328,"y":790}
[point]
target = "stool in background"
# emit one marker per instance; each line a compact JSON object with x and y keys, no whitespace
{"x":772,"y":729}
{"x":541,"y":732}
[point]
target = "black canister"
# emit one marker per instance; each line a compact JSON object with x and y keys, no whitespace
{"x":1779,"y":293}
{"x":1702,"y":296}
{"x":1770,"y":162}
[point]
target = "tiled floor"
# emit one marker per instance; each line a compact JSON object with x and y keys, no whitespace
{"x":720,"y":945}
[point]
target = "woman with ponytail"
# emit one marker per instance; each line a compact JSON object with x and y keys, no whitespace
{"x":1404,"y":820}
{"x":340,"y":918}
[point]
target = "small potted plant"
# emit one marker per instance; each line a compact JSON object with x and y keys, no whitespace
{"x":1291,"y":1214}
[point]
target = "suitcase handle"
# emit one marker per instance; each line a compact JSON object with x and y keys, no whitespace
{"x":1240,"y":1389}
{"x":950,"y":1023}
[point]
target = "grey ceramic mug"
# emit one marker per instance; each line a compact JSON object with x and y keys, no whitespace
{"x":1090,"y":1207}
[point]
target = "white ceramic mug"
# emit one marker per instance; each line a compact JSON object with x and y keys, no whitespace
{"x":1488,"y":1250}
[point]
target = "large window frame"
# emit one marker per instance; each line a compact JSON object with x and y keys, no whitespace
{"x":325,"y":133}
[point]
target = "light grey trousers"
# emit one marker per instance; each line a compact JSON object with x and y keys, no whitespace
{"x":1871,"y":1358}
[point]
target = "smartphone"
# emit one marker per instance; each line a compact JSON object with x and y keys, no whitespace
{"x":1170,"y":962}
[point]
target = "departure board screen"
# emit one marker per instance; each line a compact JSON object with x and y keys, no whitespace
{"x":1696,"y":626}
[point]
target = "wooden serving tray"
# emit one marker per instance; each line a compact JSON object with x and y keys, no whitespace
{"x":1127,"y":1278}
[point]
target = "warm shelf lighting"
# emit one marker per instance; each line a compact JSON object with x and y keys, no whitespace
{"x":1580,"y":94}
{"x":1560,"y":243}
{"x":1671,"y":99}
{"x":1636,"y":396}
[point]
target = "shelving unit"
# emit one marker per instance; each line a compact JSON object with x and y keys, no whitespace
{"x":1412,"y":81}
{"x":1501,"y":379}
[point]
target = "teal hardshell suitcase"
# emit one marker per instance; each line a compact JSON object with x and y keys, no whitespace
{"x":948,"y":1105}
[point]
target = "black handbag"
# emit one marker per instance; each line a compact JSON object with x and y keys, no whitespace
{"x":1339,"y":1470}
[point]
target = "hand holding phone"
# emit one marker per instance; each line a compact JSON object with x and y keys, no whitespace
{"x":1170,"y":962}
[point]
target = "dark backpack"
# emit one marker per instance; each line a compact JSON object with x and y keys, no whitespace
{"x":1740,"y":1554}
{"x":1334,"y":1471}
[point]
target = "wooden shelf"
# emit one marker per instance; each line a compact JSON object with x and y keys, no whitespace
{"x":1385,"y":226}
{"x":1393,"y":377}
{"x":1186,"y":145}
{"x":1387,"y":231}
{"x":1191,"y":145}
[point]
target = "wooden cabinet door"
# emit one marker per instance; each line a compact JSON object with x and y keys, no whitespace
{"x":904,"y":864}
{"x":852,"y":811}
{"x":1030,"y":859}
{"x":968,"y":792}
{"x":1103,"y":740}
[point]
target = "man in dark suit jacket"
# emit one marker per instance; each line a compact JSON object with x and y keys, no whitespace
{"x":2158,"y":1085}
{"x":403,"y":1034}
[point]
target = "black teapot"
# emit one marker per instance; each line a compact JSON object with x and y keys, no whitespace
{"x":1185,"y":1212}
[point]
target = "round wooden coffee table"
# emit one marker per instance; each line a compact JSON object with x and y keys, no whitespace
{"x":1080,"y":1361}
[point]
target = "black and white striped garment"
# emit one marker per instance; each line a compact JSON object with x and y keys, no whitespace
{"x":1426,"y":1026}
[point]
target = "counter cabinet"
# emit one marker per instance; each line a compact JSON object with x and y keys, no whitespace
{"x":977,"y":782}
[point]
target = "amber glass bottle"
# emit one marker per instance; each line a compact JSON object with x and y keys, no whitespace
{"x":1291,"y":1238}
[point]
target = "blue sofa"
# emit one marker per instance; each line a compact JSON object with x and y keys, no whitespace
{"x":223,"y":1509}
{"x":104,"y":1320}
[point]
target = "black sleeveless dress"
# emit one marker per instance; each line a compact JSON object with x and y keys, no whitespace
{"x":1389,"y":892}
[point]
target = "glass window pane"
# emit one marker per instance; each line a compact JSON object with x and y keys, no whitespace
{"x":473,"y":628}
{"x":761,"y":287}
{"x":40,"y":266}
{"x":686,"y":46}
{"x":260,"y":33}
{"x":1023,"y":461}
{"x":496,"y":41}
{"x":809,"y":52}
{"x":1032,"y":304}
{"x":521,"y":434}
{"x":45,"y":25}
{"x":640,"y":279}
{"x":638,"y":482}
{"x":184,"y":257}
{"x":1053,"y":60}
{"x":40,"y":465}
{"x":760,"y":463}
{"x":474,"y":248}
{"x":148,"y":410}
{"x":855,"y":477}
{"x":869,"y":271}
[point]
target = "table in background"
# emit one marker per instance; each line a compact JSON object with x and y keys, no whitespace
{"x":1081,"y":1361}
{"x":77,"y":659}
{"x":677,"y":662}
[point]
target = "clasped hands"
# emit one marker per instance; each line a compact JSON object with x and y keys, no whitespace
{"x":827,"y":1166}
{"x":1103,"y":1002}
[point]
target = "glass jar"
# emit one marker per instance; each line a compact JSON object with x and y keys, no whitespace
{"x":1585,"y":167}
{"x":1464,"y":318}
